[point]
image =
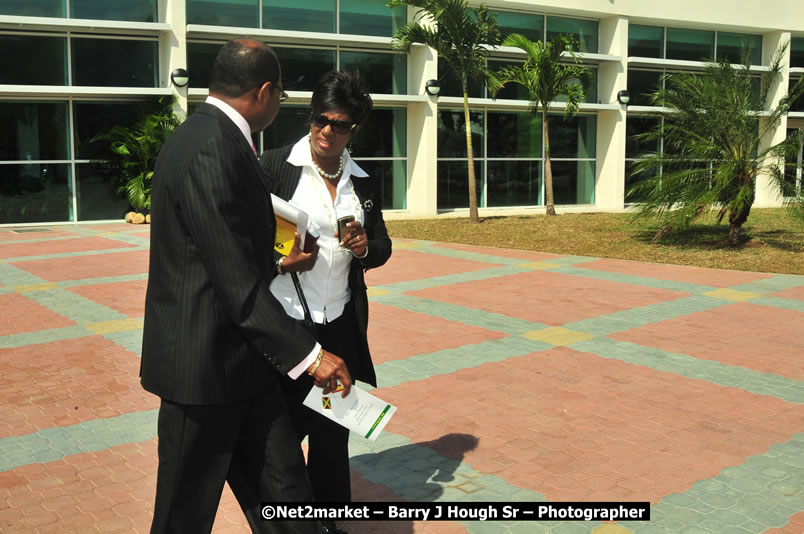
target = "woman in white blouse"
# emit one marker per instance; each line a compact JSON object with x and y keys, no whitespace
{"x":319,"y":177}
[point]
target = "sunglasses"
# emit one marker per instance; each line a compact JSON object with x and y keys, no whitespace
{"x":339,"y":127}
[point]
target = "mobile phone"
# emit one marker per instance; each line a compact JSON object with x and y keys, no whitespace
{"x":343,"y":230}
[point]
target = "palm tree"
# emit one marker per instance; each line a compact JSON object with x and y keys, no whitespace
{"x":712,"y":131}
{"x":545,"y":77}
{"x":461,"y":37}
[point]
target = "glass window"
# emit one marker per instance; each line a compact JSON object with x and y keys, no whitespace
{"x":96,"y":118}
{"x":131,"y":10}
{"x":797,"y":52}
{"x":691,"y":45}
{"x":452,"y":133}
{"x":451,"y":86}
{"x":371,"y":17}
{"x":797,"y":105}
{"x":641,"y":84}
{"x":453,"y":186}
{"x":299,"y":15}
{"x":97,"y":62}
{"x":645,"y":41}
{"x":98,"y":192}
{"x":291,"y":124}
{"x":301,"y":68}
{"x":384,"y":73}
{"x":531,"y":26}
{"x":584,"y":31}
{"x":383,"y":135}
{"x":514,"y":183}
{"x":45,"y":60}
{"x":33,"y":8}
{"x":514,"y":135}
{"x":200,"y":57}
{"x":588,"y":84}
{"x":572,"y":138}
{"x":512,"y":91}
{"x":35,"y":192}
{"x":731,"y":46}
{"x":34,"y":131}
{"x":238,"y":13}
{"x":634,"y":126}
{"x":392,"y":177}
{"x":573,"y":182}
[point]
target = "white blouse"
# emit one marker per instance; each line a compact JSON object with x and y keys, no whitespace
{"x":326,"y":285}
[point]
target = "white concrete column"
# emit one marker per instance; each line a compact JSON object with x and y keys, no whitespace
{"x":422,"y":132}
{"x":612,"y":77}
{"x":766,"y":195}
{"x":173,"y":49}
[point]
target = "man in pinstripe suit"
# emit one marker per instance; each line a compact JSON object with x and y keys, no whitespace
{"x":215,"y":340}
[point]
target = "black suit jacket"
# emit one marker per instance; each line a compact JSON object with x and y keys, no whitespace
{"x":284,"y":180}
{"x":213,"y":332}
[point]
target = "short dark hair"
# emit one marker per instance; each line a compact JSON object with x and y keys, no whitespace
{"x":342,"y":90}
{"x":241,"y":65}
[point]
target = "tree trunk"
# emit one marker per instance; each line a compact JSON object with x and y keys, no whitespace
{"x":734,"y":234}
{"x":548,"y":170}
{"x":738,"y":217}
{"x":473,"y":218}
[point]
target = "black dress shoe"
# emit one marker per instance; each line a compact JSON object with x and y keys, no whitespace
{"x":331,"y":528}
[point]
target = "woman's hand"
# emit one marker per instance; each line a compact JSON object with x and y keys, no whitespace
{"x":298,"y":260}
{"x":357,"y":239}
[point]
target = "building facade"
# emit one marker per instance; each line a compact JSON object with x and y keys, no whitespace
{"x":71,"y":69}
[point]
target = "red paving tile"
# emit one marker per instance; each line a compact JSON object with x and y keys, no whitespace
{"x":406,"y":265}
{"x":116,"y":227}
{"x":110,"y":264}
{"x":52,"y":233}
{"x":124,"y":297}
{"x":581,"y":427}
{"x":66,"y":382}
{"x":524,"y":255}
{"x":113,"y":491}
{"x":676,"y":273}
{"x":396,"y":334}
{"x":796,"y":293}
{"x":59,"y":246}
{"x":545,"y":297}
{"x":774,"y":343}
{"x":21,"y":314}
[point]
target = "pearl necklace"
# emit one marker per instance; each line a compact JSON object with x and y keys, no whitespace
{"x":321,"y":171}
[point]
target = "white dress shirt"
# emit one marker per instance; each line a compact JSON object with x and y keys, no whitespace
{"x":326,"y":285}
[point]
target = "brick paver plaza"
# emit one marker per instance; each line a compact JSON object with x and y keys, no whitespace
{"x":518,"y":376}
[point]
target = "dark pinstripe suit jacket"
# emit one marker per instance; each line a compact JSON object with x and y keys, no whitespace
{"x":285,"y":178}
{"x":213,"y":332}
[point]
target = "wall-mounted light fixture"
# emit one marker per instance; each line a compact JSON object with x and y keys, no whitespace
{"x":179,"y":77}
{"x":432,"y":87}
{"x":623,"y":97}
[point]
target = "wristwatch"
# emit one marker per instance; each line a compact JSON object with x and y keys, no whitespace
{"x":279,"y":265}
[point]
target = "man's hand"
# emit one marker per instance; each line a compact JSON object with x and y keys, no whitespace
{"x":298,"y":260}
{"x":330,"y":371}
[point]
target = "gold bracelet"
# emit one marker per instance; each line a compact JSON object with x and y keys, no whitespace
{"x":318,"y":359}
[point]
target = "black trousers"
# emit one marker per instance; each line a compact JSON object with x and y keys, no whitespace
{"x":249,"y":444}
{"x":327,"y":441}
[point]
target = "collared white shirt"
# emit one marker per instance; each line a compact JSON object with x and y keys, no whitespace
{"x":326,"y":285}
{"x":245,"y":129}
{"x":237,"y":118}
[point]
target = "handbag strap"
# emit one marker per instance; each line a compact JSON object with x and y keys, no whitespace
{"x":308,"y":317}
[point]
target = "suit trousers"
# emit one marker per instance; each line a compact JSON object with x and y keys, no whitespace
{"x":249,"y":444}
{"x":327,"y":441}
